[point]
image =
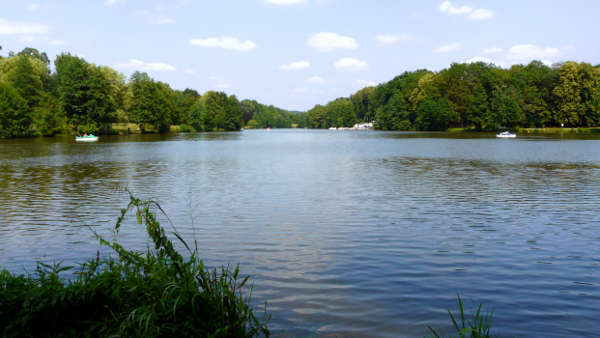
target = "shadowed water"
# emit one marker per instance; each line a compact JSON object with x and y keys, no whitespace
{"x":344,"y":233}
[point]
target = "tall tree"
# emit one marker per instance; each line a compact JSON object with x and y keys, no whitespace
{"x":15,"y":115}
{"x":85,"y":94}
{"x":25,"y":81}
{"x":150,"y":104}
{"x":568,"y":93}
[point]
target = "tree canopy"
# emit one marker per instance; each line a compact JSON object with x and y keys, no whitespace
{"x":476,"y":96}
{"x":83,"y":97}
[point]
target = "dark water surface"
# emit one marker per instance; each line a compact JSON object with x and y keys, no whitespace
{"x":344,"y":233}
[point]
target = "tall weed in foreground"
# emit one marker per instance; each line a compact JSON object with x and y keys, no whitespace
{"x":156,"y":293}
{"x":478,"y":327}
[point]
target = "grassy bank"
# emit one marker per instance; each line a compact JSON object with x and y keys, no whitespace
{"x":157,"y":293}
{"x":550,"y":130}
{"x":557,"y":130}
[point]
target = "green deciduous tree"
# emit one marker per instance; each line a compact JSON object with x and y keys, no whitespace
{"x":568,"y":90}
{"x":15,"y":115}
{"x":84,"y":93}
{"x":435,"y":114}
{"x":150,"y":104}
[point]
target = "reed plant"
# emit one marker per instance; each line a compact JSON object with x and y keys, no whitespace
{"x":477,"y":327}
{"x":153,"y":293}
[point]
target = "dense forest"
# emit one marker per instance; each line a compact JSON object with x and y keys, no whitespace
{"x":81,"y":97}
{"x":475,"y":96}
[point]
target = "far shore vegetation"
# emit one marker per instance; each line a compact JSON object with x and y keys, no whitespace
{"x":80,"y":97}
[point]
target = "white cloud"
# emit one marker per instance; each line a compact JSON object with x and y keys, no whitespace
{"x":222,"y":85}
{"x":493,"y":50}
{"x":315,"y":80}
{"x":297,"y":65}
{"x":453,"y":47}
{"x":134,"y":64}
{"x":286,"y":2}
{"x":327,"y":42}
{"x":481,"y":14}
{"x":392,"y":39}
{"x":366,"y":83}
{"x":447,"y":7}
{"x":189,"y":71}
{"x":22,"y":28}
{"x":166,"y":20}
{"x":528,"y":52}
{"x":350,"y":64}
{"x":212,"y":78}
{"x":225,"y":42}
{"x":480,"y":59}
{"x":113,"y":2}
{"x":470,"y":12}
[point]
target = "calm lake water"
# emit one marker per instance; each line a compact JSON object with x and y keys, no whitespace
{"x":344,"y":233}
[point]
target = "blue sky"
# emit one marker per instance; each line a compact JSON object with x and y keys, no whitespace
{"x":297,"y":53}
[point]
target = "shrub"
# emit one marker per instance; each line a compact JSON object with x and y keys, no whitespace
{"x":159,"y":293}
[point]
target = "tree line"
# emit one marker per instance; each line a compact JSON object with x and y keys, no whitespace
{"x":81,"y":97}
{"x":475,"y":96}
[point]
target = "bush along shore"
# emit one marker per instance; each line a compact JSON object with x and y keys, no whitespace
{"x":157,"y":293}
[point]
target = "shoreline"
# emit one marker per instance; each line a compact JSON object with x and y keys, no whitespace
{"x":543,"y":130}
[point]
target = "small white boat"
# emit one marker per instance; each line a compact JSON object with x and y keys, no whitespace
{"x":506,"y":134}
{"x":90,"y":138}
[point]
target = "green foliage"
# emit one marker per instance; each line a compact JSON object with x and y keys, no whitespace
{"x":317,"y":117}
{"x":478,"y":327}
{"x":185,"y":101}
{"x":266,"y":116}
{"x":362,"y":105}
{"x":220,"y":112}
{"x":151,"y":103}
{"x":15,"y":116}
{"x":49,"y":118}
{"x":483,"y":97}
{"x":85,"y":94}
{"x":435,"y":114}
{"x":252,"y":124}
{"x":25,"y":81}
{"x":159,"y":293}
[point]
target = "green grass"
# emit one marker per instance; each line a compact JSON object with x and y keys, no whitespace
{"x":558,"y":130}
{"x":156,"y":293}
{"x":126,"y":128}
{"x":476,"y":327}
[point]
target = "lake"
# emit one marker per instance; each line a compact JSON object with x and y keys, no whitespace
{"x":348,"y":233}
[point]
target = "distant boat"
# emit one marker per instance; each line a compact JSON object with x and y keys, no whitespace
{"x":506,"y":134}
{"x":89,"y":138}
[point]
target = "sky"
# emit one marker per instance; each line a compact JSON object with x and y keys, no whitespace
{"x":298,"y":53}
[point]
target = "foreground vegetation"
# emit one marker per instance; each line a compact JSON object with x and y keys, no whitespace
{"x":81,"y":97}
{"x":151,"y":294}
{"x":479,"y":326}
{"x":475,"y":96}
{"x":157,"y":293}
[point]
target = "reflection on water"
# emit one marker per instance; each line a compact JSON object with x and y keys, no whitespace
{"x":349,"y":233}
